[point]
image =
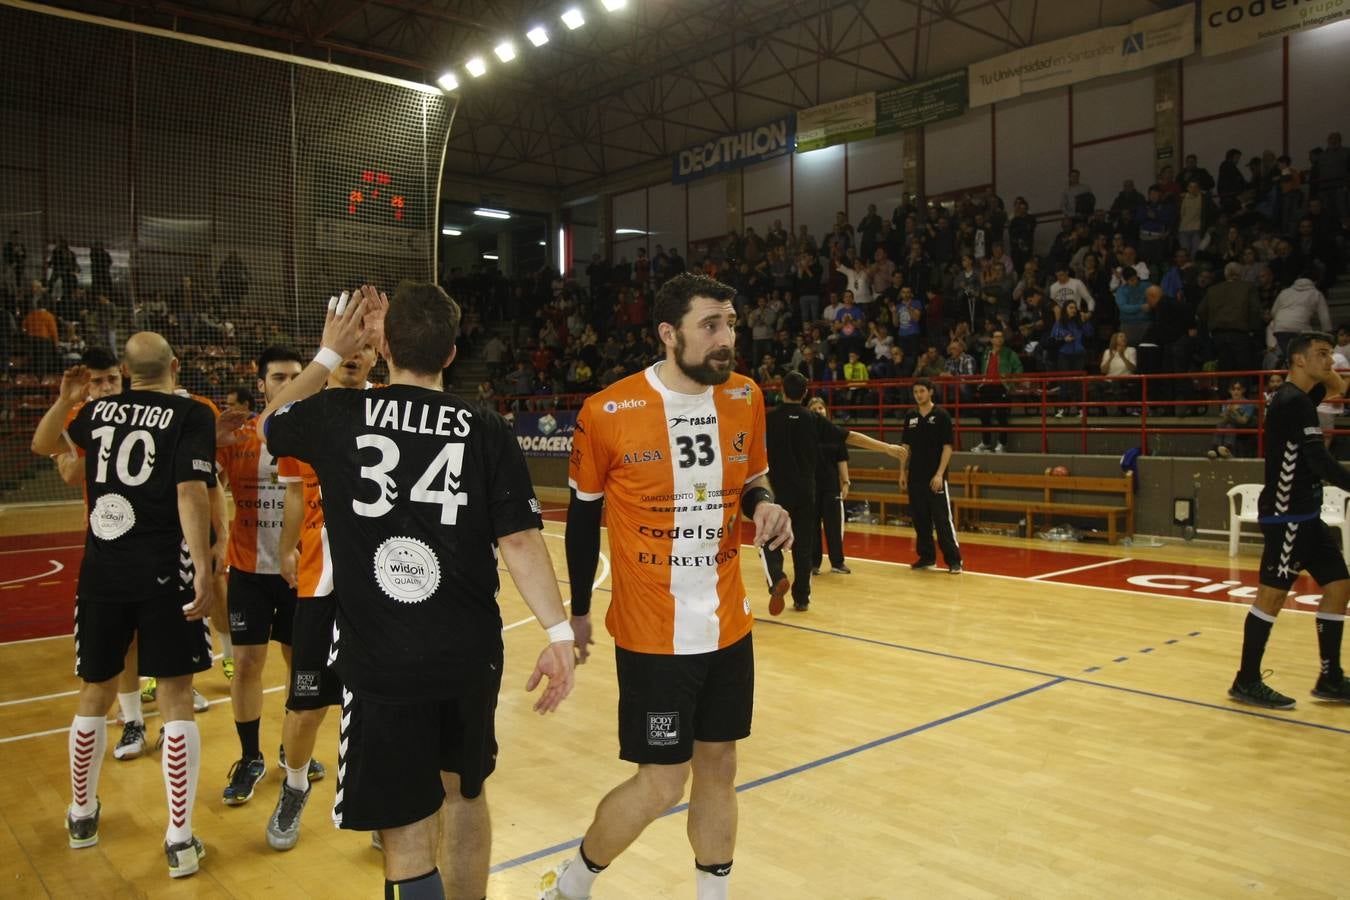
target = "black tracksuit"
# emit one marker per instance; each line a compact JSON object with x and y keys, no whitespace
{"x":926,"y":435}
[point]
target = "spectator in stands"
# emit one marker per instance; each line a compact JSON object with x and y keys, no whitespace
{"x":1065,"y":288}
{"x":811,"y":366}
{"x":869,"y":230}
{"x":101,"y":321}
{"x":930,"y":364}
{"x":1193,"y":171}
{"x":1195,"y":213}
{"x":1318,"y":252}
{"x":960,"y":368}
{"x":1230,"y":312}
{"x":1130,"y":303}
{"x":1237,"y":413}
{"x":1162,"y":349}
{"x":40,"y":330}
{"x":965,"y":289}
{"x":520,"y":381}
{"x":1342,"y":341}
{"x":15,"y":260}
{"x":1267,"y":288}
{"x":806,"y":284}
{"x":909,"y":321}
{"x":1077,"y":198}
{"x":1118,"y":360}
{"x":1232,"y":183}
{"x":1299,"y":307}
{"x":1127,"y":258}
{"x":1157,"y":227}
{"x":1180,"y":280}
{"x":1068,"y":341}
{"x":859,"y":280}
{"x":63,"y":268}
{"x":998,"y":364}
{"x":996,"y":287}
{"x":1333,"y":178}
{"x":100,"y":269}
{"x":1034,"y":320}
{"x":1286,"y":265}
{"x":1021,"y":234}
{"x":1129,"y":198}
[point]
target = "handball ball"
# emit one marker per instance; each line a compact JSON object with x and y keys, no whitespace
{"x":1047,"y":470}
{"x":1060,"y":470}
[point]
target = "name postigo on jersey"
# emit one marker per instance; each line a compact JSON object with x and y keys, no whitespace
{"x":137,"y":414}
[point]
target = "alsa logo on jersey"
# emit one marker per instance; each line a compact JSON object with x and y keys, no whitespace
{"x":614,"y":406}
{"x":693,"y":420}
{"x":642,"y":456}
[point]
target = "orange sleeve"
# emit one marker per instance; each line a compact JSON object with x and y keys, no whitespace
{"x":589,"y":463}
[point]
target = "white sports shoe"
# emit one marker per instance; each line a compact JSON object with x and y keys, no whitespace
{"x":548,"y":884}
{"x":199,"y":703}
{"x":998,"y":448}
{"x":980,"y":448}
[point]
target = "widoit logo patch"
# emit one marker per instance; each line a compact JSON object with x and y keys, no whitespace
{"x":407,"y":569}
{"x":663,"y":729}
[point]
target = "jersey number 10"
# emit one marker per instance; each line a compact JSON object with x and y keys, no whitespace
{"x":445,"y":469}
{"x":125,"y":476}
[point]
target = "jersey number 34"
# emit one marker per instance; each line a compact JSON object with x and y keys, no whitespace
{"x":443,"y":473}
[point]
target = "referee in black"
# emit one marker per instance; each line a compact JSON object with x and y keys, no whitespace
{"x":928,"y":438}
{"x":795,"y":436}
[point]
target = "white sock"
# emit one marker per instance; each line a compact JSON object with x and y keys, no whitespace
{"x":226,"y":644}
{"x":710,"y":886}
{"x":130,"y":703}
{"x":181,"y":762}
{"x":88,"y":741}
{"x":577,"y":880}
{"x":298,"y":779}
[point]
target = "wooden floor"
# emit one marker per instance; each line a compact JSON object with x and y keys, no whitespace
{"x":916,"y":735}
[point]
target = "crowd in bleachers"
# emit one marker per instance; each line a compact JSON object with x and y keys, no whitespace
{"x":1196,"y":272}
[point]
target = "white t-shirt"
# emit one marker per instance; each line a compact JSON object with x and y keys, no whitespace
{"x":1115,"y":365}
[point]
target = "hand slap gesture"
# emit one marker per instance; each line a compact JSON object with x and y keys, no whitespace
{"x":346,"y":332}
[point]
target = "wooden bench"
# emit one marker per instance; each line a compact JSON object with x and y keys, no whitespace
{"x":882,"y":487}
{"x":1040,"y":491}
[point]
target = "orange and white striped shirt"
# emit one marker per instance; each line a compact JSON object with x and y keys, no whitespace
{"x":314,"y":573}
{"x":259,"y":499}
{"x":671,"y":468}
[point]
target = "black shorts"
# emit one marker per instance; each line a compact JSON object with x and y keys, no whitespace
{"x":1292,"y":547}
{"x":390,"y":774}
{"x":169,"y":644}
{"x":313,"y":684}
{"x":666,"y":702}
{"x":262,"y":608}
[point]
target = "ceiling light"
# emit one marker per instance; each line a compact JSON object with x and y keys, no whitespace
{"x":629,"y":231}
{"x":492,"y":256}
{"x":612,"y":5}
{"x":573,"y":19}
{"x":537,"y":35}
{"x":543,"y":243}
{"x":562,"y":249}
{"x":447,"y":82}
{"x":506,"y":51}
{"x":450,"y":232}
{"x":476,"y":67}
{"x":492,"y":213}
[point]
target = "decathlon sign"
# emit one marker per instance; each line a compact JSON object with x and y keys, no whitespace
{"x":731,"y":151}
{"x":1232,"y":24}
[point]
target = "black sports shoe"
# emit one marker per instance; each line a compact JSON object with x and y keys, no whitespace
{"x":923,"y":564}
{"x":1335,"y":689}
{"x":801,"y":607}
{"x":283,"y":829}
{"x":1258,"y":693}
{"x":244,"y":777}
{"x":841,"y":570}
{"x":316,"y":768}
{"x":954,"y":569}
{"x":185,"y":858}
{"x":83,"y":832}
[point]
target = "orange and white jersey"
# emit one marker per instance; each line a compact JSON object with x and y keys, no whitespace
{"x":671,"y":468}
{"x":259,"y":499}
{"x":314,"y":573}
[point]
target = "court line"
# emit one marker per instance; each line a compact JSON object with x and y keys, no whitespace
{"x":150,"y":715}
{"x":42,"y":549}
{"x":807,"y":766}
{"x":57,"y":568}
{"x":1069,"y":678}
{"x":1096,"y":565}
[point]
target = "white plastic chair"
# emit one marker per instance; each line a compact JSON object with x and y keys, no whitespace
{"x":1242,"y":508}
{"x":1334,"y":506}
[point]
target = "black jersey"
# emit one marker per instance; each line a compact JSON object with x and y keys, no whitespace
{"x":139,"y":446}
{"x":925,"y":435}
{"x":831,"y":453}
{"x":1293,"y":489}
{"x":795,"y":436}
{"x":417,"y":487}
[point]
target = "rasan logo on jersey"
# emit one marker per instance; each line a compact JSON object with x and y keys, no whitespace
{"x":692,"y":420}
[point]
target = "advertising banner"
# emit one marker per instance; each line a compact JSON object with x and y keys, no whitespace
{"x":850,"y":119}
{"x":546,"y":433}
{"x":919,"y":104}
{"x":1227,"y":25}
{"x":1142,"y":43}
{"x":732,"y":151}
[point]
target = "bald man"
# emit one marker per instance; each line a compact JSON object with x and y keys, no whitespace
{"x":149,"y":464}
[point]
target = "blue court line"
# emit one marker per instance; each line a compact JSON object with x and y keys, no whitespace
{"x":805,"y":767}
{"x":1120,"y":659}
{"x":1069,"y":678}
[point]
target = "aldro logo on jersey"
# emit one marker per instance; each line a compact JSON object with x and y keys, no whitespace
{"x":614,"y":406}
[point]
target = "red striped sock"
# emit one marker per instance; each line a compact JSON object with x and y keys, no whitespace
{"x":88,"y":741}
{"x":181,"y":762}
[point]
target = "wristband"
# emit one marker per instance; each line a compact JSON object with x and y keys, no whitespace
{"x":560,"y":632}
{"x":754,"y":497}
{"x":329,"y":358}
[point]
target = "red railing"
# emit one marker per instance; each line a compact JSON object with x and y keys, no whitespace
{"x":1091,"y":398}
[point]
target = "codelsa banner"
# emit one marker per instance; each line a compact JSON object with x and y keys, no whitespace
{"x":546,"y":433}
{"x":731,"y":151}
{"x":1227,"y":25}
{"x":1142,"y":43}
{"x":839,"y":122}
